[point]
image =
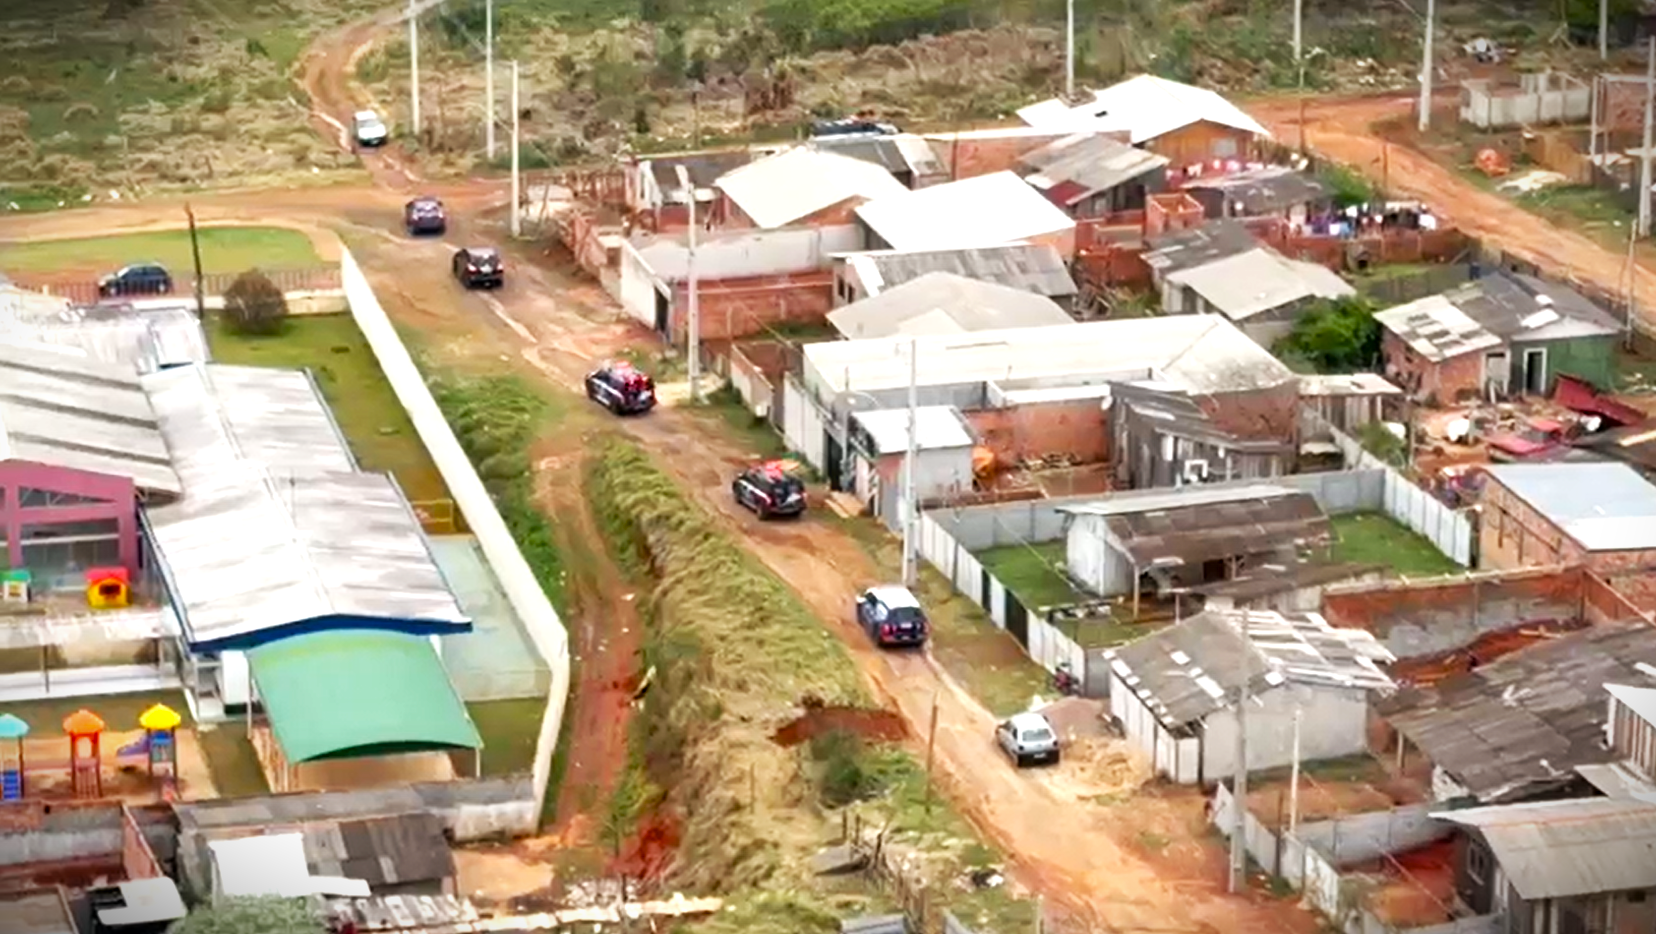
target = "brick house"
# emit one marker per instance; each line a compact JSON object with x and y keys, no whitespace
{"x":658,"y":200}
{"x":1504,"y":333}
{"x":1601,"y":516}
{"x":1188,"y":125}
{"x":800,"y":187}
{"x":1094,"y":174}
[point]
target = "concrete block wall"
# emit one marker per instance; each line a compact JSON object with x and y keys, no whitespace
{"x":1077,"y":428}
{"x":731,"y":308}
{"x":1421,"y":619}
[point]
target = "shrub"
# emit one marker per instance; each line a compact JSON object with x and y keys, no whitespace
{"x":253,"y":305}
{"x":251,"y":916}
{"x":1334,"y":337}
{"x":844,"y":779}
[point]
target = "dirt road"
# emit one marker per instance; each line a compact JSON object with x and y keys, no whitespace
{"x":1341,"y":130}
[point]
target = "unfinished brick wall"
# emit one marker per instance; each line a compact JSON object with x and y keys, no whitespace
{"x":1258,"y":414}
{"x":1172,"y":211}
{"x":974,"y":156}
{"x":1514,"y":535}
{"x":1076,"y":428}
{"x":1443,"y":383}
{"x":1427,"y":618}
{"x":137,"y":859}
{"x":1631,"y":573}
{"x":731,"y":308}
{"x":1603,"y":602}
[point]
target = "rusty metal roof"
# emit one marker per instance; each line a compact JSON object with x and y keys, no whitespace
{"x":1562,"y":849}
{"x":1182,"y":527}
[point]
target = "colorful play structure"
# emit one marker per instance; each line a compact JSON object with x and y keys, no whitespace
{"x":158,"y":746}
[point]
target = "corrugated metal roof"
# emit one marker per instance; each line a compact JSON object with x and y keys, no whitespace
{"x":783,"y":188}
{"x":1524,"y":309}
{"x":143,"y":340}
{"x":1198,"y":353}
{"x":1196,"y":667}
{"x":1437,"y":330}
{"x":1519,"y":725}
{"x":1186,"y":249}
{"x":971,"y":305}
{"x":1174,"y":533}
{"x":1089,"y":163}
{"x":981,"y":211}
{"x":1031,"y":267}
{"x":37,"y":911}
{"x":1347,"y":384}
{"x":902,"y":152}
{"x":60,"y":407}
{"x":1145,"y":107}
{"x":1132,"y":502}
{"x":1641,"y":701}
{"x":936,"y":427}
{"x":1265,"y":190}
{"x":1603,"y":506}
{"x":1619,"y":780}
{"x":1258,"y":281}
{"x":1561,"y":849}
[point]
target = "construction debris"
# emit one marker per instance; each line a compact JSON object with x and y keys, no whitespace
{"x":1492,"y":163}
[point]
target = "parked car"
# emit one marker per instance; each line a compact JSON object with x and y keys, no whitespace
{"x":769,"y":490}
{"x":425,"y":216}
{"x":851,"y":126}
{"x":1028,"y":738}
{"x":368,"y":129}
{"x":479,"y":267}
{"x":137,"y":279}
{"x":892,"y":616}
{"x":621,"y":388}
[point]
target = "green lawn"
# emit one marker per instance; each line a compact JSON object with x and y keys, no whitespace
{"x":223,"y":250}
{"x":1033,"y":573}
{"x":510,"y":729}
{"x":374,"y":422}
{"x":1374,"y":538}
{"x":231,"y":760}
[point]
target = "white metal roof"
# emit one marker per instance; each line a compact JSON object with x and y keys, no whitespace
{"x":946,"y":303}
{"x":1198,"y":353}
{"x":985,"y":210}
{"x":1603,"y":506}
{"x":895,"y":596}
{"x":1436,"y":329}
{"x":1346,"y":384}
{"x":1132,"y":502}
{"x":62,"y":408}
{"x":1640,"y":700}
{"x":783,"y":188}
{"x":273,"y":865}
{"x":148,"y":901}
{"x":936,"y":427}
{"x":1259,"y":280}
{"x":1144,"y":107}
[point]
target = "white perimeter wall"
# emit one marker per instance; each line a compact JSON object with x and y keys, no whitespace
{"x":518,"y":581}
{"x":734,"y":255}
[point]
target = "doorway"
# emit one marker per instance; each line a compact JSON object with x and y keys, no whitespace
{"x":1535,"y":371}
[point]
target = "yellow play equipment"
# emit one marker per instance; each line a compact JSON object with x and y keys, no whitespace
{"x":108,"y":588}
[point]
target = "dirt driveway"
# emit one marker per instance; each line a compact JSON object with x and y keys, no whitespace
{"x":1341,"y":130}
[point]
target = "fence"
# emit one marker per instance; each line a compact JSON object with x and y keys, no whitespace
{"x":85,"y":292}
{"x":1449,"y":530}
{"x":1403,"y":288}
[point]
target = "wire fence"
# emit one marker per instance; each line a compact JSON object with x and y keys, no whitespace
{"x":88,"y":291}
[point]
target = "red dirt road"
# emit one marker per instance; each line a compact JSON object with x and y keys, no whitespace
{"x":1340,"y":130}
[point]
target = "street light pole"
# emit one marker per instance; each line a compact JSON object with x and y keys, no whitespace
{"x":1604,"y":29}
{"x":1293,"y":789}
{"x":517,"y":210}
{"x":488,"y":79}
{"x":1644,"y":153}
{"x":1069,"y":50}
{"x":414,"y":66}
{"x":694,"y":324}
{"x":910,"y":507}
{"x":1426,"y":69}
{"x":1299,"y":16}
{"x":1239,"y":802}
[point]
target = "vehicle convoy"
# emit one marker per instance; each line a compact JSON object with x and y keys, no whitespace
{"x":137,"y":279}
{"x":769,"y":490}
{"x":479,"y":268}
{"x":1028,"y":739}
{"x":368,"y":129}
{"x":892,"y":617}
{"x":621,"y":388}
{"x":425,"y":216}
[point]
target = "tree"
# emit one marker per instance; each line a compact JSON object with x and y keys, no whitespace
{"x":1339,"y":336}
{"x":264,"y":915}
{"x":254,"y":305}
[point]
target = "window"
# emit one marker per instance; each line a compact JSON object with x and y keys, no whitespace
{"x":1477,"y":863}
{"x":1224,"y":147}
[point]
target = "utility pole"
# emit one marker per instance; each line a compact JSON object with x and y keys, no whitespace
{"x":1239,"y":802}
{"x":911,"y":508}
{"x":1069,"y":50}
{"x":488,"y":79}
{"x":1293,"y":789}
{"x":195,"y":252}
{"x":414,"y":65}
{"x":1299,"y":16}
{"x":517,"y":210}
{"x":931,"y":743}
{"x":1604,"y":29}
{"x":695,"y":298}
{"x":1644,"y":153}
{"x":1426,"y":69}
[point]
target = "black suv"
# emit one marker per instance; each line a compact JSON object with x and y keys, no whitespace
{"x":621,"y":388}
{"x":425,"y":216}
{"x":138,"y":279}
{"x":479,"y":267}
{"x":891,"y":616}
{"x":769,"y":490}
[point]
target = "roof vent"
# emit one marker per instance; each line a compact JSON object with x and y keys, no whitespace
{"x":1540,"y":319}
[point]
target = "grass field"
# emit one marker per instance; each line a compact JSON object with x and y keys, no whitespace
{"x":1033,"y":573}
{"x":231,"y":760}
{"x":223,"y":250}
{"x":374,"y":422}
{"x":509,"y":729}
{"x":1373,"y":538}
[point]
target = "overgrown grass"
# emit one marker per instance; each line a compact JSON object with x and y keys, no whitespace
{"x":231,"y":761}
{"x":1375,"y":538}
{"x":497,"y":420}
{"x":754,"y":432}
{"x":375,"y":424}
{"x":1034,"y":573}
{"x":223,"y":250}
{"x":734,"y":651}
{"x":510,"y":730}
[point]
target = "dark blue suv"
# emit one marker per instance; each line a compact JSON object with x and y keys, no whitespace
{"x":137,"y":279}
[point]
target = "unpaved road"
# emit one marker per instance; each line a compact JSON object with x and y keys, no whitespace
{"x":1340,"y":130}
{"x":1079,"y":854}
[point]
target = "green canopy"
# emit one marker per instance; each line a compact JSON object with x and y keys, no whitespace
{"x":12,"y":727}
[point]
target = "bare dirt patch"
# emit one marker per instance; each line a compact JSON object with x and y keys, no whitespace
{"x":819,"y":719}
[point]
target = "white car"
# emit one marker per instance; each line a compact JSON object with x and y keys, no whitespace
{"x":368,"y":129}
{"x":1028,"y":738}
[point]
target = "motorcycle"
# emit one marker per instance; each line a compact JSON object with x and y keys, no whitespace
{"x":1065,"y":682}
